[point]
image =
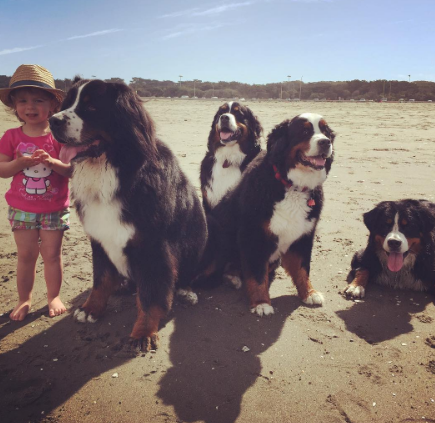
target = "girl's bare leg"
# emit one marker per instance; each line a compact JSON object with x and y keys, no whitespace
{"x":27,"y":252}
{"x":51,"y":252}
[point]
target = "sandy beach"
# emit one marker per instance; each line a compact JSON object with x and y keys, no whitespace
{"x":349,"y":361}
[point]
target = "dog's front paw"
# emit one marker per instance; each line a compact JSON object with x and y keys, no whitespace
{"x":145,"y":343}
{"x":82,"y":316}
{"x":355,"y":291}
{"x":188,"y":296}
{"x":314,"y":298}
{"x":262,"y":310}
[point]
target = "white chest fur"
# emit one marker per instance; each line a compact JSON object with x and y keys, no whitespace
{"x":225,"y":178}
{"x":94,"y":185}
{"x":289,"y":220}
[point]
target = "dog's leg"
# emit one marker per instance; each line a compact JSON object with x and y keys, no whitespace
{"x":258,"y":294}
{"x":357,"y":288}
{"x":106,"y":281}
{"x":295,"y":266}
{"x":145,"y":336}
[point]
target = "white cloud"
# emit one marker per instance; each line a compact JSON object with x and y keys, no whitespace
{"x":94,"y":34}
{"x":213,"y":11}
{"x":185,"y":30}
{"x":17,"y":50}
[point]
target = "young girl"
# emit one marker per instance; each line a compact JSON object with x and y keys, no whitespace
{"x":38,"y":198}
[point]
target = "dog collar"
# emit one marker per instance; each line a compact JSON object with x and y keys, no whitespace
{"x":289,"y":184}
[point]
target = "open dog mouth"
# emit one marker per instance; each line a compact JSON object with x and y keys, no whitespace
{"x":395,"y":260}
{"x":316,"y":162}
{"x":227,"y":136}
{"x":75,"y":152}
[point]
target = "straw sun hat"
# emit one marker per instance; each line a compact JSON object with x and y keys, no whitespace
{"x":34,"y":76}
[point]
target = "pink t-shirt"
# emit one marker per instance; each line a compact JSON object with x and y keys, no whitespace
{"x":36,"y":189}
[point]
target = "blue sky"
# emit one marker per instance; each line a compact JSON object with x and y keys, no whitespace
{"x":252,"y":41}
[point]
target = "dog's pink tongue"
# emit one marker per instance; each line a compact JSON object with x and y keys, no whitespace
{"x":395,"y":261}
{"x":67,"y":153}
{"x":318,"y":160}
{"x":225,"y":135}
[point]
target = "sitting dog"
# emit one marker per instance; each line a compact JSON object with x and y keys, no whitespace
{"x":233,"y":142}
{"x":143,"y":217}
{"x":272,"y":214}
{"x":400,"y":251}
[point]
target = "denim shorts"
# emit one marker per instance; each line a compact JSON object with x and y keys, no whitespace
{"x":55,"y":221}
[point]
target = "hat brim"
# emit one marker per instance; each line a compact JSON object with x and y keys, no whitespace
{"x":5,"y":98}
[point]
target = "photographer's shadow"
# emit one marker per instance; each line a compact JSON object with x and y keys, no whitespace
{"x":214,"y":350}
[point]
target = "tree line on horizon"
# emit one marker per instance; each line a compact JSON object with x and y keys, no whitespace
{"x":322,"y":90}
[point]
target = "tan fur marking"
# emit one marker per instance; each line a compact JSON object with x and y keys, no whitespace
{"x":292,"y":263}
{"x":97,"y":300}
{"x":414,"y":245}
{"x":147,"y":323}
{"x":258,"y":293}
{"x":361,"y":278}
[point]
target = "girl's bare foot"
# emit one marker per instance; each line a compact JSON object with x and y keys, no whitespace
{"x":20,"y":311}
{"x":55,"y":307}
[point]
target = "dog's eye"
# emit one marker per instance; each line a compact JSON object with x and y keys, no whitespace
{"x":91,"y":108}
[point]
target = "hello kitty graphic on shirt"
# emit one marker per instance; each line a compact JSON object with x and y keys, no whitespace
{"x":36,"y":181}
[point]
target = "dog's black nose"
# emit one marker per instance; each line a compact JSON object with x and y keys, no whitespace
{"x":225,"y":118}
{"x":56,"y":122}
{"x":324,"y":143}
{"x":394,"y":244}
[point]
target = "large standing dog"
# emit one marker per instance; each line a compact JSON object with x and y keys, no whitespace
{"x":142,"y":215}
{"x":274,"y":210}
{"x":400,"y":250}
{"x":233,"y":142}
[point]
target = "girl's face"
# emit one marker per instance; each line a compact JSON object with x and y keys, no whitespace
{"x":33,"y":107}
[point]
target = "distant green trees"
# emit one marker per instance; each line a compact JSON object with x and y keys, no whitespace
{"x":329,"y":90}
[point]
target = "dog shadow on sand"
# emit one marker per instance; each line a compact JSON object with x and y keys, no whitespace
{"x":386,"y":313}
{"x":213,"y":349}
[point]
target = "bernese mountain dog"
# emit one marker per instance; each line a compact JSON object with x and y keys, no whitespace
{"x":144,"y":218}
{"x":273,"y":212}
{"x":400,"y":251}
{"x":233,"y":142}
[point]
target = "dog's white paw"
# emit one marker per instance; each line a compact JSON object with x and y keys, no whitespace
{"x":263,"y":310}
{"x":355,"y":291}
{"x":234,"y":280}
{"x":315,"y":298}
{"x":188,"y":296}
{"x":81,"y":316}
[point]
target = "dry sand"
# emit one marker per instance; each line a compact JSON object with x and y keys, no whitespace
{"x":367,"y":361}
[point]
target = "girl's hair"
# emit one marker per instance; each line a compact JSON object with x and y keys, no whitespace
{"x":32,"y":90}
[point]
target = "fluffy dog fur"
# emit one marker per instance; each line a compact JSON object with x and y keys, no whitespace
{"x":272,"y":214}
{"x":142,"y":215}
{"x":233,"y":142}
{"x":400,"y":251}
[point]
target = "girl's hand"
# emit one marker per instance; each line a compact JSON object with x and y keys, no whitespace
{"x":43,"y":157}
{"x":26,"y":161}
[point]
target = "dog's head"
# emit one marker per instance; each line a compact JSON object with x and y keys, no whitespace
{"x":399,"y":229}
{"x":302,"y":149}
{"x":234,"y":123}
{"x":99,"y":117}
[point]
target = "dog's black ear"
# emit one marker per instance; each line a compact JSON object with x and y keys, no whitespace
{"x":133,"y":120}
{"x":371,"y":217}
{"x":254,"y":123}
{"x":426,"y":215}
